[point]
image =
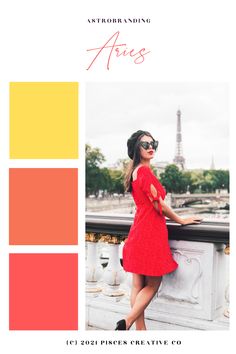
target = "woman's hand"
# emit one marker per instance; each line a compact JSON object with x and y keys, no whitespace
{"x":191,"y":220}
{"x":167,"y":211}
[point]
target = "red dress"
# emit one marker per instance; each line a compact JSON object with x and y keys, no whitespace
{"x":146,"y":250}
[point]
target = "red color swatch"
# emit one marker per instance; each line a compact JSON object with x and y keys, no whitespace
{"x":43,"y":292}
{"x":43,"y":206}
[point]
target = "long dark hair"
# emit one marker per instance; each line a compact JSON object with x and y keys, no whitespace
{"x":134,"y":163}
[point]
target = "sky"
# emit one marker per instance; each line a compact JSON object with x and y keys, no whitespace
{"x":116,"y":110}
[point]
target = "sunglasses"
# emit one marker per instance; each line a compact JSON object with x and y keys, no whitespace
{"x":146,"y":144}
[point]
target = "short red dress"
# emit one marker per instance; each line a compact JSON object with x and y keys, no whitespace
{"x":146,"y":250}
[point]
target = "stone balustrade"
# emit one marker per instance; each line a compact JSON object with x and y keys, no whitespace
{"x":195,"y":296}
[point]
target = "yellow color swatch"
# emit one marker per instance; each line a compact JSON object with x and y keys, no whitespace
{"x":44,"y":120}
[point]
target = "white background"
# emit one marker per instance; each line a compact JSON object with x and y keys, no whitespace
{"x":190,"y":41}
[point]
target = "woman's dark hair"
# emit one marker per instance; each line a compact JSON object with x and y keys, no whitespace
{"x":134,"y":154}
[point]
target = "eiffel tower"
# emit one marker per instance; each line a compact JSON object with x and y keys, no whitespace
{"x":179,"y":160}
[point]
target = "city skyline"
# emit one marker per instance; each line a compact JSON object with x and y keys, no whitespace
{"x":115,"y":110}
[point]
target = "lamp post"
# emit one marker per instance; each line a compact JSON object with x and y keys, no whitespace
{"x":188,"y":189}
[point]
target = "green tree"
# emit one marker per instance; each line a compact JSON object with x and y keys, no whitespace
{"x":102,"y":179}
{"x":105,"y":180}
{"x":197,"y":181}
{"x":94,"y":177}
{"x":186,"y":181}
{"x":219,"y":178}
{"x":173,"y":179}
{"x":117,"y":178}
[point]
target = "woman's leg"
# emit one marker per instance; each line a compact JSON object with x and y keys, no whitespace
{"x":143,"y":298}
{"x":138,"y":283}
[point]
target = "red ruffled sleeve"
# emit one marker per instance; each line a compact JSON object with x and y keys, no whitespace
{"x":150,"y":185}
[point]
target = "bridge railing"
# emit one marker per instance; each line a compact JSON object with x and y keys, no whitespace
{"x":197,"y":290}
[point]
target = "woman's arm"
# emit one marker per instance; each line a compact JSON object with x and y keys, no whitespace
{"x":167,"y":211}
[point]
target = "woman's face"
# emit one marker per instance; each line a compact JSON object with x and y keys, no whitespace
{"x":149,"y":153}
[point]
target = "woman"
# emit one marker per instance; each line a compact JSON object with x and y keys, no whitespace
{"x":146,"y":253}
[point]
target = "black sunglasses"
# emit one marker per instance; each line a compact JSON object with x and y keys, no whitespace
{"x":146,"y":144}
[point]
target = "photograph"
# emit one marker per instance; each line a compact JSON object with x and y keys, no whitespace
{"x":157,"y":206}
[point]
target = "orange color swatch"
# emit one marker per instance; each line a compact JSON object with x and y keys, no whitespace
{"x":43,"y":291}
{"x":43,"y":206}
